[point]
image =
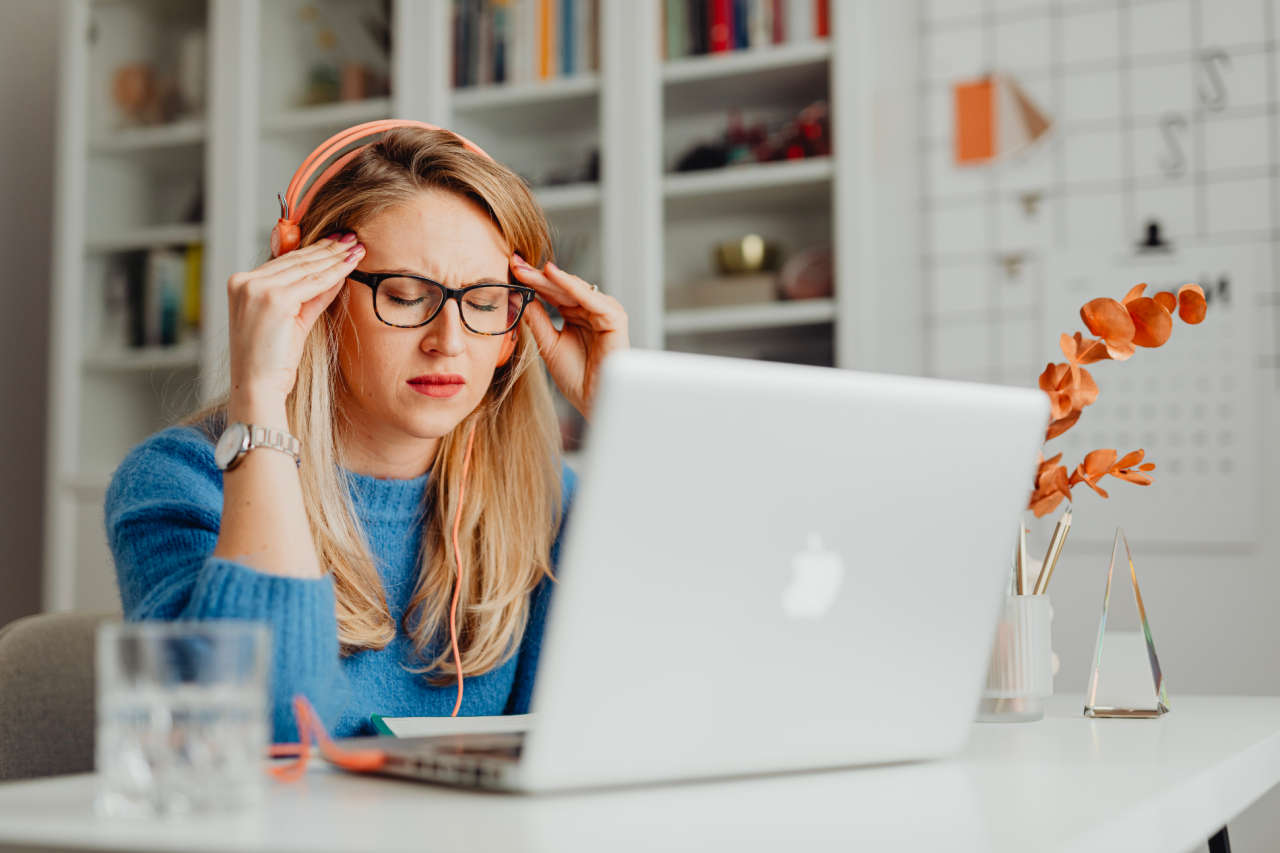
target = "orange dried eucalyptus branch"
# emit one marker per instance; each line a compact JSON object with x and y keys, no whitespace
{"x":1120,"y":327}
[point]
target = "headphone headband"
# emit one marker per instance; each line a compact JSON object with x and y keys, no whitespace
{"x":295,"y":202}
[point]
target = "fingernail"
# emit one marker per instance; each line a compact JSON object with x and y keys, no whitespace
{"x":358,"y":250}
{"x":334,"y":236}
{"x":348,"y":237}
{"x":552,"y":266}
{"x":520,"y":262}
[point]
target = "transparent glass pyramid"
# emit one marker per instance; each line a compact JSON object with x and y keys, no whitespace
{"x":1126,"y":680}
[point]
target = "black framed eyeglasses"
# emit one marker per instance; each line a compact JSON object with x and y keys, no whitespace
{"x":410,"y":301}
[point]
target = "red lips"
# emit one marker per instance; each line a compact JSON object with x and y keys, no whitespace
{"x":437,"y":384}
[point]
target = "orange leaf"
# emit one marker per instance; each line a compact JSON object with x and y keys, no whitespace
{"x":1061,"y":425}
{"x":1147,"y":466}
{"x":1045,"y":505}
{"x":1132,"y":477}
{"x":1080,"y":476}
{"x":1166,"y":300}
{"x":1152,"y":324}
{"x":1133,"y":294}
{"x":1091,"y":350}
{"x":1130,"y":459}
{"x":1085,"y":391}
{"x":1191,"y":304}
{"x":1110,"y":321}
{"x":1098,"y":462}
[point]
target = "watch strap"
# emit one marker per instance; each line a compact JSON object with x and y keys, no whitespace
{"x":276,"y":439}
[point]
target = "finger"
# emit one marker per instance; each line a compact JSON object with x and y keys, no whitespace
{"x":334,"y":244}
{"x":305,"y":272}
{"x":548,"y":290}
{"x":544,"y":332}
{"x":582,"y":292}
{"x":313,"y":308}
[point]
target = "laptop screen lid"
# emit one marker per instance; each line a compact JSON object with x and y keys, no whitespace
{"x":772,"y":567}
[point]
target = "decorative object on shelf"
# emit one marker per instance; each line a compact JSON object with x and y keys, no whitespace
{"x":1135,"y":321}
{"x":585,"y":171}
{"x":152,"y":298}
{"x":721,"y":291}
{"x":806,"y":135}
{"x":995,"y":120}
{"x":810,"y":274}
{"x":751,"y":254}
{"x":1126,"y":680}
{"x":147,"y":96}
{"x":1020,"y":674}
{"x":523,"y":41}
{"x":698,"y":27}
{"x":338,"y":77}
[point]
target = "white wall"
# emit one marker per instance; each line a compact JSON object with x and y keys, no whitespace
{"x":1131,"y":85}
{"x":28,"y":65}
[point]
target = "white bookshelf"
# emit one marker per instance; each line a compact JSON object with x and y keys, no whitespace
{"x":637,"y":230}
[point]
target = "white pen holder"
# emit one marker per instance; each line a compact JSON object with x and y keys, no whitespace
{"x":1021,"y":670}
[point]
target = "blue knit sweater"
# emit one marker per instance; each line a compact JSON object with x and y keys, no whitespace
{"x":163,"y":510}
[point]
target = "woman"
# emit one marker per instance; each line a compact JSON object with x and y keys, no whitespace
{"x":393,"y":387}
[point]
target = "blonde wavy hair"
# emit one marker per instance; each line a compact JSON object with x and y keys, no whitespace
{"x":513,"y":492}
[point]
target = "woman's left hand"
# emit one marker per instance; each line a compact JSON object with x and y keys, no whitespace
{"x":594,"y":326}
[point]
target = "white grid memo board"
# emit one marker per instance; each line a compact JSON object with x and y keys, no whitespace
{"x":1164,"y":110}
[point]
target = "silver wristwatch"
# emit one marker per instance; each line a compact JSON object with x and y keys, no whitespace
{"x":238,"y":439}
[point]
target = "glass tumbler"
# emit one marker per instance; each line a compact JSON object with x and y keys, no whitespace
{"x":182,"y":717}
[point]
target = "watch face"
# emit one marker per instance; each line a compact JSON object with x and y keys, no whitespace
{"x":230,"y":445}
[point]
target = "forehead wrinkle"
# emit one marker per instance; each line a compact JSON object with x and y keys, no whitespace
{"x":409,"y":272}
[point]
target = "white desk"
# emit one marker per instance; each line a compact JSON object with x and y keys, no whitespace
{"x":1063,"y":784}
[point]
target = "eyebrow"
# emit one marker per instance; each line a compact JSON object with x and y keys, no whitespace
{"x":402,"y":271}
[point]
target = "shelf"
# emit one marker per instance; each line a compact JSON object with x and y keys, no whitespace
{"x":728,"y":64}
{"x":478,"y":98}
{"x":768,"y":188}
{"x":151,"y":237}
{"x":792,"y":75}
{"x":568,"y":197}
{"x":327,"y":116}
{"x":144,"y":359}
{"x":190,"y":132}
{"x":753,"y":176}
{"x":765,"y":315}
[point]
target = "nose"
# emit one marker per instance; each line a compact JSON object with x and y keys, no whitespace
{"x":445,"y":335}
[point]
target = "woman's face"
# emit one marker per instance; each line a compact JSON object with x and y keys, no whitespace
{"x":407,"y":385}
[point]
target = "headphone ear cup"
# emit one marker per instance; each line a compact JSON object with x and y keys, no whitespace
{"x":508,"y":346}
{"x":285,"y":237}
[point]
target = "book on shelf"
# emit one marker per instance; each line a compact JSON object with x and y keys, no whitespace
{"x":152,"y":298}
{"x":697,"y":27}
{"x":523,"y":41}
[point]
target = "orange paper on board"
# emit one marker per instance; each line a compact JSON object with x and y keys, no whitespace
{"x":975,"y":121}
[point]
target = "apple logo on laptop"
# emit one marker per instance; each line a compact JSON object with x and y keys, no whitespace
{"x":816,"y":575}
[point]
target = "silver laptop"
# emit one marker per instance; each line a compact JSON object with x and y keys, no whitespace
{"x":767,"y":568}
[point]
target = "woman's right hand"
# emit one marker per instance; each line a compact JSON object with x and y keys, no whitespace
{"x":271,"y":310}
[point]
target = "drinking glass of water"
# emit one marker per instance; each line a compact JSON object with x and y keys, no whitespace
{"x":182,"y":717}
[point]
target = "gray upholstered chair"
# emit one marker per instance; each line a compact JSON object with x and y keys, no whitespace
{"x":46,"y":693}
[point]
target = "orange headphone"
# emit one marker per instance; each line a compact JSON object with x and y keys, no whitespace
{"x":344,"y":146}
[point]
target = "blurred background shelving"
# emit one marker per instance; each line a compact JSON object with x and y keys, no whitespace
{"x":182,"y":119}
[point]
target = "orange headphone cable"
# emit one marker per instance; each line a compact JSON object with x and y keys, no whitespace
{"x":457,"y":560}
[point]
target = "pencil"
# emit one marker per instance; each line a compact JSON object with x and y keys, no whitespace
{"x":1020,"y":572}
{"x":1055,"y":548}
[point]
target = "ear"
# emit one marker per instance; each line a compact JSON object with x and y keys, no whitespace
{"x":509,"y":341}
